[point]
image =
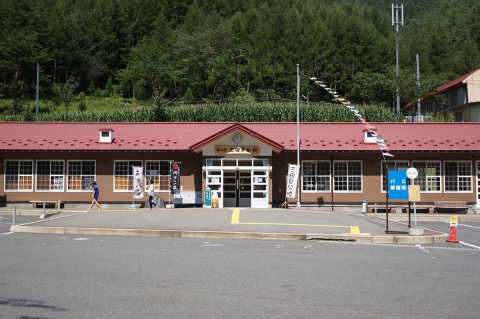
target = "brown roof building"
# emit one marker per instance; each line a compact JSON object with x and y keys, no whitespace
{"x":460,"y":96}
{"x":244,"y":164}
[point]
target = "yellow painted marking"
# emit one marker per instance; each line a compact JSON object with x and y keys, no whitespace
{"x":236,"y":216}
{"x":236,"y":220}
{"x":354,"y":230}
{"x":303,"y":225}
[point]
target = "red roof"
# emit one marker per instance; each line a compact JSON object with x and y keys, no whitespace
{"x":72,"y":136}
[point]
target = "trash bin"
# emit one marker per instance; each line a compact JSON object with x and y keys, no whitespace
{"x":214,"y":200}
{"x":364,"y":207}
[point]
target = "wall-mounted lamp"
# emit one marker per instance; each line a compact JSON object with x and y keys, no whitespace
{"x":204,"y":168}
{"x":270,"y":168}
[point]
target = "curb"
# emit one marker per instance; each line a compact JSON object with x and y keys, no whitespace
{"x":373,"y":239}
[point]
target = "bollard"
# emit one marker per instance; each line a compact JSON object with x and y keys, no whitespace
{"x":43,"y":207}
{"x":14,"y":214}
{"x":365,"y":207}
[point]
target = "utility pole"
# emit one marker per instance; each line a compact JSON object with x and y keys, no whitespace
{"x":37,"y":95}
{"x":419,"y":108}
{"x":397,"y":20}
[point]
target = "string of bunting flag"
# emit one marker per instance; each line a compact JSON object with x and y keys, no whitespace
{"x":372,"y":130}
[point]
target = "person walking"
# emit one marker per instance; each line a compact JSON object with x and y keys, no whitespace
{"x":95,"y":194}
{"x":151,"y":194}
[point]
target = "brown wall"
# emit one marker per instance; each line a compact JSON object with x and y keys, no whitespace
{"x":371,"y":170}
{"x":190,"y":174}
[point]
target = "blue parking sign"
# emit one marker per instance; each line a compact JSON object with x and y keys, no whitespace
{"x":397,"y":185}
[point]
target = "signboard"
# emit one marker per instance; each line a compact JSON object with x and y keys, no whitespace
{"x":137,"y":182}
{"x":397,"y":185}
{"x":414,"y":193}
{"x":236,"y":150}
{"x":292,"y":180}
{"x":412,"y":173}
{"x":453,"y":221}
{"x":175,"y":178}
{"x":208,"y":197}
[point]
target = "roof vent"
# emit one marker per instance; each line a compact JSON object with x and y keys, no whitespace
{"x":106,"y":135}
{"x":369,"y":136}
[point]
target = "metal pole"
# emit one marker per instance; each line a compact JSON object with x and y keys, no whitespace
{"x":38,"y":93}
{"x":14,"y":215}
{"x":396,"y":9}
{"x":419,"y":108}
{"x":414,"y":209}
{"x":397,"y":66}
{"x":386,"y":219}
{"x":298,"y":134}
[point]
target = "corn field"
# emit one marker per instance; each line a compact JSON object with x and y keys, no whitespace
{"x":226,"y":112}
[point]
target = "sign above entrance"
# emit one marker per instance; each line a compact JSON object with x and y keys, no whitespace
{"x":236,"y":150}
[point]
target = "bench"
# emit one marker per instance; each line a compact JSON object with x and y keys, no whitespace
{"x":45,"y":203}
{"x":451,"y":206}
{"x":395,"y":208}
{"x":391,"y":208}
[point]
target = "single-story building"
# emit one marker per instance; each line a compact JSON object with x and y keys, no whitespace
{"x":245,"y":164}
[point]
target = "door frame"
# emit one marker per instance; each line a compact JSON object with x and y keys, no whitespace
{"x":477,"y":174}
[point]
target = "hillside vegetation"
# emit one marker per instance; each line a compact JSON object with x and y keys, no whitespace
{"x":140,"y":52}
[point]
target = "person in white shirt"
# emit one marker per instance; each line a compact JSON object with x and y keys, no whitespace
{"x":151,"y":194}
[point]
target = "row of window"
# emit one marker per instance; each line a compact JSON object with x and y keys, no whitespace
{"x":317,"y":176}
{"x":75,"y":176}
{"x":347,"y":175}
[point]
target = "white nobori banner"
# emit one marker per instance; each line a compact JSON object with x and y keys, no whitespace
{"x":137,"y":182}
{"x":292,"y":180}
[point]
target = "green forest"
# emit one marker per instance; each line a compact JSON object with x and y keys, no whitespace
{"x":186,"y":51}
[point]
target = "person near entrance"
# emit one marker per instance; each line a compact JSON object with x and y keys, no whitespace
{"x":95,"y":194}
{"x":151,"y":194}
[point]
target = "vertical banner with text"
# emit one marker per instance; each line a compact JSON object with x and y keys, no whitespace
{"x":137,"y":182}
{"x":175,"y":178}
{"x":292,"y":180}
{"x":397,"y":185}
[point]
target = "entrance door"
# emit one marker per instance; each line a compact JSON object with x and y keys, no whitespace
{"x":237,"y":188}
{"x":478,"y":184}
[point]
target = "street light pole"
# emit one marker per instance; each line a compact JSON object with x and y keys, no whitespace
{"x":298,"y":134}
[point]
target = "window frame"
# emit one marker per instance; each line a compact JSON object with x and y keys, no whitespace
{"x":458,"y":182}
{"x":419,"y":169}
{"x":19,"y":176}
{"x":315,"y":177}
{"x":383,"y":177}
{"x":51,"y":176}
{"x":85,"y":179}
{"x":160,"y":180}
{"x":348,"y":176}
{"x":129,"y":176}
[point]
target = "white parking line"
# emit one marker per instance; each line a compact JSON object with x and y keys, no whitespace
{"x":469,"y":226}
{"x":469,"y":245}
{"x":7,"y":233}
{"x":464,"y":225}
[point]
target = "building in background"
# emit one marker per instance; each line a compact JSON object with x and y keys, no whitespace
{"x":460,"y":96}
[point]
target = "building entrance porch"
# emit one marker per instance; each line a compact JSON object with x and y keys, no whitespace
{"x":241,"y":182}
